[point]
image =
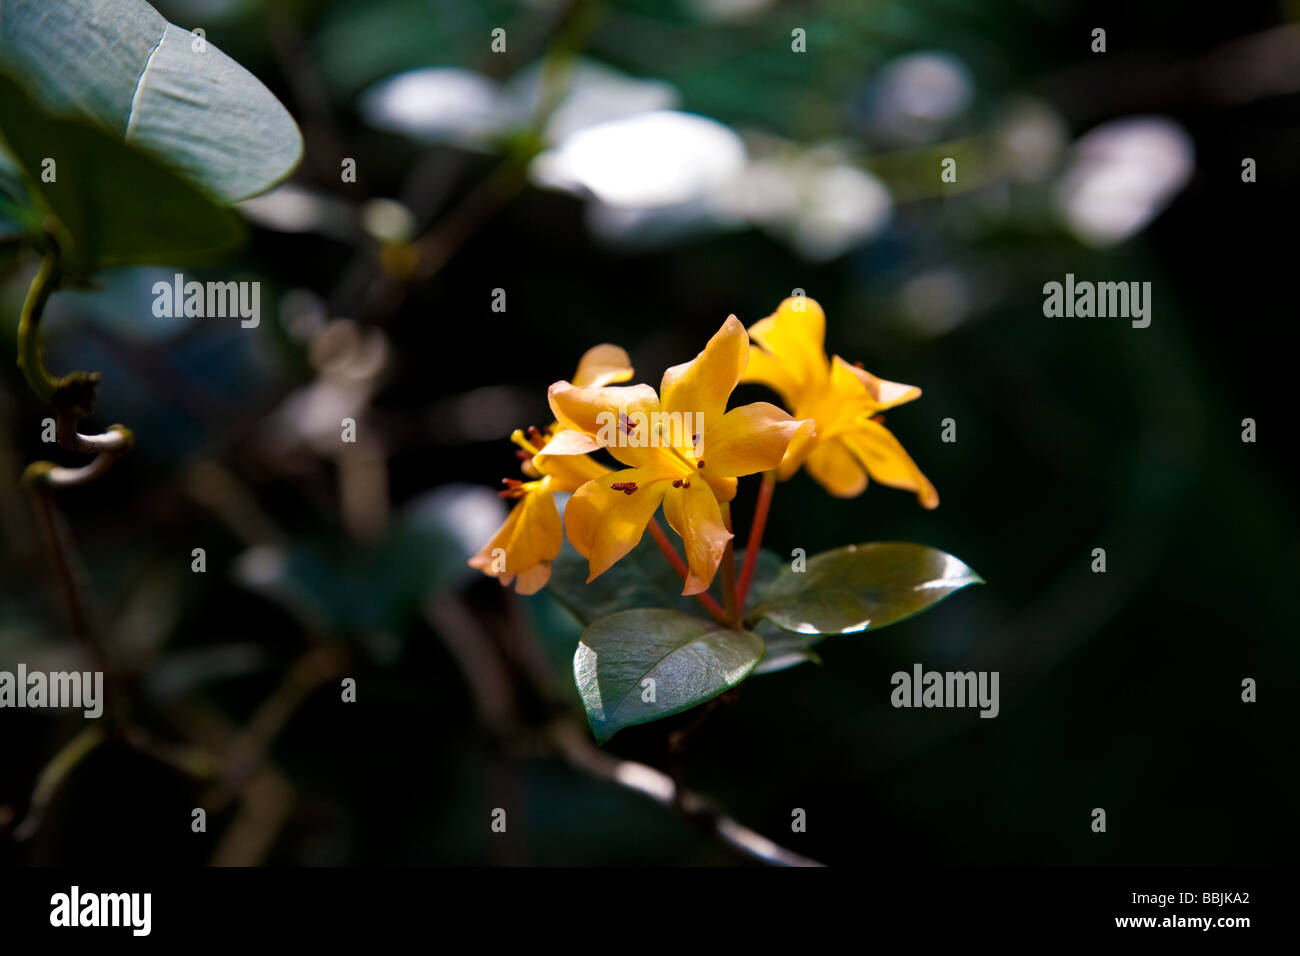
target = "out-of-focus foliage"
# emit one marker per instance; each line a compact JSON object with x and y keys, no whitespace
{"x":774,"y":171}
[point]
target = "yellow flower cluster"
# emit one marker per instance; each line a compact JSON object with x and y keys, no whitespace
{"x":682,"y":449}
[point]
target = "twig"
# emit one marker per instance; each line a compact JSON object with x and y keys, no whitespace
{"x":30,"y":359}
{"x":427,"y":254}
{"x":72,"y":396}
{"x":729,"y":572}
{"x":106,"y":448}
{"x":268,"y":801}
{"x":72,"y":581}
{"x":249,"y":748}
{"x":575,"y":744}
{"x":52,"y":777}
{"x":755,"y":536}
{"x":483,"y":668}
{"x":666,"y":546}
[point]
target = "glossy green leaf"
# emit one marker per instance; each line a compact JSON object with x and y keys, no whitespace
{"x":862,"y":587}
{"x":157,"y":86}
{"x":690,"y":660}
{"x":785,"y":649}
{"x":117,"y":205}
{"x":626,"y":585}
{"x":643,"y":578}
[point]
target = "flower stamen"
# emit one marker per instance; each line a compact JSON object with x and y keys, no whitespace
{"x":517,"y":436}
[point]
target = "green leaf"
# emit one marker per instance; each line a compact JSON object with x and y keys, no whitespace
{"x":155,"y":85}
{"x":690,"y":660}
{"x":785,"y":649}
{"x":643,"y":578}
{"x":624,"y":586}
{"x":117,"y":206}
{"x":862,"y":587}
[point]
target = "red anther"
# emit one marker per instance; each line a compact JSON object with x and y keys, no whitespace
{"x":523,"y":455}
{"x":859,"y":365}
{"x":879,"y":419}
{"x":695,"y":438}
{"x":700,"y":463}
{"x":535,"y":436}
{"x":511,"y":482}
{"x":677,"y":482}
{"x":686,"y":482}
{"x":627,"y":487}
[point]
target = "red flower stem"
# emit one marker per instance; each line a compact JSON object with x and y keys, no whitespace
{"x":729,"y":573}
{"x":755,"y":536}
{"x":680,"y":567}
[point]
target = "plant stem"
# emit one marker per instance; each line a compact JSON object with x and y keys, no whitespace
{"x":729,"y":573}
{"x":756,"y":536}
{"x":72,"y":581}
{"x":575,"y":744}
{"x":666,"y":546}
{"x":72,"y":396}
{"x":51,"y":778}
{"x":29,"y":339}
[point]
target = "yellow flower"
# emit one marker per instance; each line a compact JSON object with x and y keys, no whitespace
{"x":844,"y":400}
{"x":686,"y":452}
{"x":524,"y":547}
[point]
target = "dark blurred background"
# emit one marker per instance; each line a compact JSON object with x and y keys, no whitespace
{"x":816,"y":171}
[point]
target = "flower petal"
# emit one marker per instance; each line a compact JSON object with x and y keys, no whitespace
{"x":704,"y":384}
{"x":882,"y":394}
{"x":569,"y":441}
{"x":882,"y":455}
{"x":801,"y":445}
{"x":749,"y":439}
{"x":567,"y":470}
{"x":724,"y":489}
{"x":585,"y":408}
{"x":534,"y":579}
{"x":692,"y":511}
{"x":796,"y":335}
{"x":836,"y":470}
{"x":766,"y":369}
{"x":528,"y":541}
{"x":602,"y":411}
{"x":604,"y":523}
{"x":603,"y":365}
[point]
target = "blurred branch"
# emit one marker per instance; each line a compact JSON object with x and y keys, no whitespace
{"x":30,"y":358}
{"x":72,"y":396}
{"x":425,"y":257}
{"x":487,"y":670}
{"x":52,"y":777}
{"x":324,"y":148}
{"x":72,"y":581}
{"x":574,"y":742}
{"x":1241,"y":70}
{"x":268,"y":800}
{"x":219,"y":490}
{"x":15,"y":519}
{"x":246,"y":751}
{"x":475,"y":655}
